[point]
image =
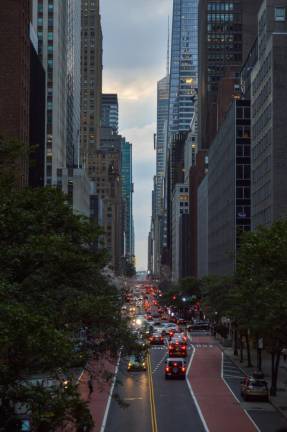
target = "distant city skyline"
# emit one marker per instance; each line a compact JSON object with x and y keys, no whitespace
{"x":134,"y":46}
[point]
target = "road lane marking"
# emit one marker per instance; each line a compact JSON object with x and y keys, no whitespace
{"x":234,"y":395}
{"x":152,"y":399}
{"x":159,"y":364}
{"x":133,"y":398}
{"x":104,"y":422}
{"x":192,"y":393}
{"x":233,"y":377}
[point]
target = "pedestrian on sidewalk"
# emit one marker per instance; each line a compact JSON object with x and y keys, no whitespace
{"x":90,"y":385}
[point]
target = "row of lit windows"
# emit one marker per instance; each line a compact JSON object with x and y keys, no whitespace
{"x":224,"y":18}
{"x":223,"y":28}
{"x":223,"y":6}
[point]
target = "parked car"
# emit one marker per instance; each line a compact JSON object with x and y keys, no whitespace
{"x":256,"y":389}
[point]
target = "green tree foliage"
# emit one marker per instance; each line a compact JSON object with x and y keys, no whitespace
{"x":51,"y":288}
{"x":129,"y":269}
{"x":256,"y":298}
{"x":261,"y":295}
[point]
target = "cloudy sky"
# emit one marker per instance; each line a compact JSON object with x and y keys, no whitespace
{"x":135,"y":44}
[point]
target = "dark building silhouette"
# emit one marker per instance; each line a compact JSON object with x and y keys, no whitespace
{"x":37,"y":120}
{"x":196,"y":175}
{"x":15,"y":76}
{"x":227,"y":31}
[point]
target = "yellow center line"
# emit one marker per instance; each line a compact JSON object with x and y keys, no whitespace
{"x":152,"y":399}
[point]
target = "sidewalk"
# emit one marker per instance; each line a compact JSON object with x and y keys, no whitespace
{"x":279,"y":401}
{"x":98,"y":399}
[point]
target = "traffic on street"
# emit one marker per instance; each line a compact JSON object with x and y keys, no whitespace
{"x":182,"y":380}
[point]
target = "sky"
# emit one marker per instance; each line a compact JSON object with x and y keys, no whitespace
{"x":134,"y":59}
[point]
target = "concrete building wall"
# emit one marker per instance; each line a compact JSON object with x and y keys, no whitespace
{"x":202,"y":228}
{"x":180,"y":206}
{"x":104,"y":170}
{"x":221,"y":199}
{"x":91,"y":77}
{"x":196,"y":174}
{"x":229,"y":180}
{"x":269,"y":127}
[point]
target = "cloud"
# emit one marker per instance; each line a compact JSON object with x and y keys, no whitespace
{"x":135,"y":44}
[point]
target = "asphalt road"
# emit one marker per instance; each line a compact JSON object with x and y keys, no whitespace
{"x":175,"y":408}
{"x":266,"y":417}
{"x":134,"y":393}
{"x":159,"y":405}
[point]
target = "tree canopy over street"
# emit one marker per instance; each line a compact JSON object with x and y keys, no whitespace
{"x":52,"y":289}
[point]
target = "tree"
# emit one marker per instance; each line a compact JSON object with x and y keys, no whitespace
{"x":262,"y":288}
{"x":52,"y":288}
{"x":129,"y":269}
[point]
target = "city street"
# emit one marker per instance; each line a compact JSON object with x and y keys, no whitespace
{"x":208,"y":400}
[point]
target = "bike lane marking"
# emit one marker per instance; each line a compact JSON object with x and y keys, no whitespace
{"x":218,"y":406}
{"x":192,"y":393}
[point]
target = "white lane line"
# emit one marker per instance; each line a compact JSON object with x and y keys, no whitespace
{"x":233,"y":376}
{"x":159,"y":364}
{"x":234,"y":395}
{"x":104,"y":422}
{"x":192,"y":394}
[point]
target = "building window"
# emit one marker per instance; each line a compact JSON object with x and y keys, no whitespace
{"x":280,"y":13}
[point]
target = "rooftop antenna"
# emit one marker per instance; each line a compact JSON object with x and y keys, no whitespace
{"x":168,"y":48}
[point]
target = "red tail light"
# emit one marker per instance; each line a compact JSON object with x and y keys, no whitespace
{"x":167,"y":369}
{"x":169,"y":347}
{"x":174,"y":364}
{"x":183,"y":369}
{"x":183,"y":347}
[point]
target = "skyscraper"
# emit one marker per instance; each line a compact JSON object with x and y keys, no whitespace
{"x":159,"y":219}
{"x":15,"y":75}
{"x":110,"y":111}
{"x":127,"y":194}
{"x":73,"y":82}
{"x":268,"y":122}
{"x":226,"y":33}
{"x":91,"y":77}
{"x":183,"y":68}
{"x":50,"y":20}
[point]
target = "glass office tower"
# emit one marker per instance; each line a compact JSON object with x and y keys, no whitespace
{"x":183,"y":68}
{"x":127,"y":196}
